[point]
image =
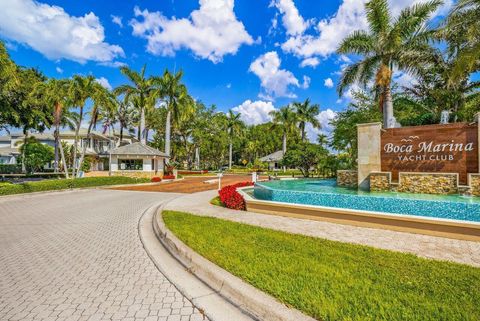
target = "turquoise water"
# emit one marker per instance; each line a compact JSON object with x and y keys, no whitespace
{"x":327,"y":193}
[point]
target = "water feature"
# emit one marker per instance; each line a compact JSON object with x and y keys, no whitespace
{"x":327,"y":193}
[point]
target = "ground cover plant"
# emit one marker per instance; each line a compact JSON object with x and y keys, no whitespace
{"x":231,"y":198}
{"x":332,"y":280}
{"x":59,"y":184}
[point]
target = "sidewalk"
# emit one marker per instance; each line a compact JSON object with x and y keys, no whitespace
{"x":439,"y":248}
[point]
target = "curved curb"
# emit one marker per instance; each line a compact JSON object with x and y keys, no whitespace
{"x":248,"y":298}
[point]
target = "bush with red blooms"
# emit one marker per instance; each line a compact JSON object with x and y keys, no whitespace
{"x":231,"y":198}
{"x":168,"y":176}
{"x":156,"y":179}
{"x":192,"y":172}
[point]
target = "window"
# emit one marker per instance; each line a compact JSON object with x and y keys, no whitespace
{"x":131,"y":164}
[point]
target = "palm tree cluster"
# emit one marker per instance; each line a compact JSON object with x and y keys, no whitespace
{"x":442,"y":59}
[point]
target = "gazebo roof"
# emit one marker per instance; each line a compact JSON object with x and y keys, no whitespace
{"x":138,"y":149}
{"x":273,"y":157}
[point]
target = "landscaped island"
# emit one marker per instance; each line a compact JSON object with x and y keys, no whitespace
{"x":331,"y":280}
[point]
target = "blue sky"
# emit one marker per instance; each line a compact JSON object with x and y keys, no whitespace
{"x":249,"y":55}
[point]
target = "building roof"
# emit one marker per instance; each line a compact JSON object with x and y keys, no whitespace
{"x":7,"y":151}
{"x":138,"y":149}
{"x":68,"y":133}
{"x":273,"y":157}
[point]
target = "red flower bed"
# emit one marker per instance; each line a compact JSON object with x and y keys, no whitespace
{"x":156,"y":179}
{"x":231,"y":198}
{"x":169,"y":177}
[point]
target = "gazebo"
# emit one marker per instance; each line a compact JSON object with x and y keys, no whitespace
{"x":273,"y":160}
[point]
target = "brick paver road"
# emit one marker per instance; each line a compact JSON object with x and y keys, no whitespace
{"x":77,"y":256}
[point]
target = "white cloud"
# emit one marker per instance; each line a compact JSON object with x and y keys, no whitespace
{"x":404,"y":79}
{"x":329,"y":32}
{"x":51,"y":31}
{"x":274,"y":81}
{"x":255,"y":112}
{"x":59,"y":70}
{"x":328,"y":83}
{"x":229,"y":85}
{"x":210,"y":32}
{"x":117,"y":20}
{"x":324,"y":117}
{"x":291,"y":18}
{"x":104,"y":82}
{"x":310,"y":62}
{"x":306,"y":82}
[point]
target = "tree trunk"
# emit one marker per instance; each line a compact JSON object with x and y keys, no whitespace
{"x":142,"y":127}
{"x":230,"y":152}
{"x":284,"y":148}
{"x":75,"y":145}
{"x":167,"y":133}
{"x":25,"y":137}
{"x":64,"y":161}
{"x":388,"y":117}
{"x":55,"y":135}
{"x":121,"y":134}
{"x":84,"y":148}
{"x":197,"y":158}
{"x":302,"y":129}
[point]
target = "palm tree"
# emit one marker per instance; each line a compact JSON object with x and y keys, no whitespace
{"x":80,"y":90}
{"x":139,"y":89}
{"x":400,"y":43}
{"x":103,"y":101}
{"x":286,"y":119}
{"x":462,"y":33}
{"x":307,"y":113}
{"x":124,"y":115}
{"x":233,"y":125}
{"x":54,"y":92}
{"x":175,"y":95}
{"x":322,"y":140}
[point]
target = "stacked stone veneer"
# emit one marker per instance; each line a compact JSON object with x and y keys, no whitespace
{"x":428,"y":183}
{"x":475,"y":184}
{"x":347,"y":178}
{"x":380,"y":181}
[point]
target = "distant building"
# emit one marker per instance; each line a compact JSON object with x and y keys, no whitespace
{"x":97,"y":145}
{"x":137,"y":157}
{"x":273,"y":160}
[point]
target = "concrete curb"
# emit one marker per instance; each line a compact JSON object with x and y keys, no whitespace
{"x":205,"y":299}
{"x":235,"y":290}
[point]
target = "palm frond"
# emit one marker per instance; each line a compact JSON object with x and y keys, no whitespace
{"x":378,"y":16}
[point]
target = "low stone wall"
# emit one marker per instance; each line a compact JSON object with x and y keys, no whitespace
{"x":347,"y":178}
{"x":428,"y":183}
{"x":474,"y":180}
{"x":380,"y":181}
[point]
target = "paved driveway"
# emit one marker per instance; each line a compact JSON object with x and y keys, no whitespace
{"x":77,"y":256}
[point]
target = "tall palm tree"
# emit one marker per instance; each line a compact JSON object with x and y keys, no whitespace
{"x":233,"y":125}
{"x":287,"y":120}
{"x":54,"y":92}
{"x":103,"y":101}
{"x":389,"y":44}
{"x":322,"y":140}
{"x":124,"y":115}
{"x":462,"y":33}
{"x":175,"y":95}
{"x":80,"y":90}
{"x":307,"y":114}
{"x":140,"y":88}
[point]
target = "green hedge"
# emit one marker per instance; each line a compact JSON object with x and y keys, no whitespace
{"x":59,"y":184}
{"x":10,"y":169}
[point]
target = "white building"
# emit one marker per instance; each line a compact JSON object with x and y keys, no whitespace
{"x":274,"y":160}
{"x":137,"y":157}
{"x":97,"y":145}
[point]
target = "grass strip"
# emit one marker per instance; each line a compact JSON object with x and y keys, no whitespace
{"x":331,"y":280}
{"x":59,"y":184}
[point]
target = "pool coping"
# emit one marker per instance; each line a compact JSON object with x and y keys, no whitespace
{"x":449,"y":228}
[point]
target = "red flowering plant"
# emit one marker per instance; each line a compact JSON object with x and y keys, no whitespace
{"x":168,"y":176}
{"x":156,"y":179}
{"x":231,"y":198}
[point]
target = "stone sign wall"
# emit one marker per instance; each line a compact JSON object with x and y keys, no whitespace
{"x":449,"y":148}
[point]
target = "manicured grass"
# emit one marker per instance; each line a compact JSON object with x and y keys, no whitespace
{"x":216,"y":201}
{"x":59,"y":184}
{"x":332,"y":280}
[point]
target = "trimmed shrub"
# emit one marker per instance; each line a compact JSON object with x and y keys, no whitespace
{"x":169,"y":177}
{"x":231,"y":198}
{"x":10,"y":169}
{"x":59,"y":184}
{"x":156,"y":179}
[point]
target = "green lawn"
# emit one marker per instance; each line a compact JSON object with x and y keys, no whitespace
{"x":216,"y":201}
{"x":332,"y":280}
{"x":59,"y":184}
